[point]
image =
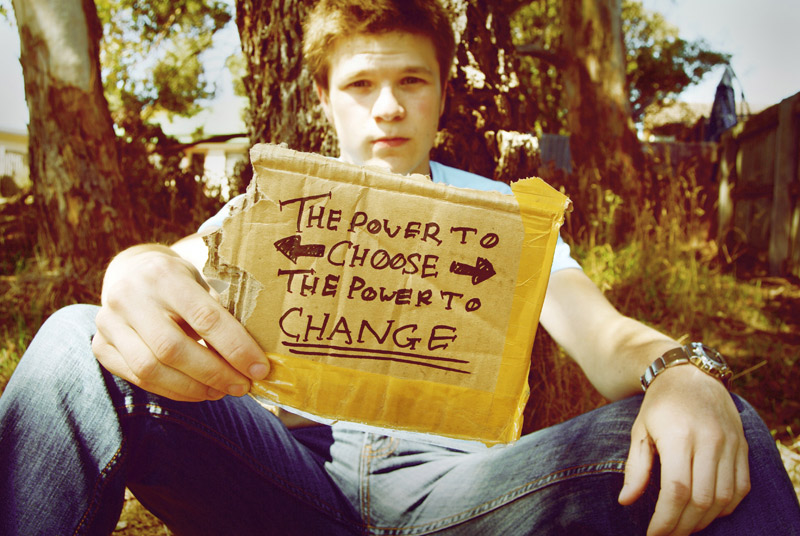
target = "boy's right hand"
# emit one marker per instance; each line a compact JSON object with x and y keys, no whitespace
{"x":161,"y":328}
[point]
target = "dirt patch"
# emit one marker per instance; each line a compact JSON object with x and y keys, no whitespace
{"x":790,"y":454}
{"x":137,"y":521}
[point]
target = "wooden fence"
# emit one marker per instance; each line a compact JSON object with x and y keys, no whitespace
{"x":759,"y":187}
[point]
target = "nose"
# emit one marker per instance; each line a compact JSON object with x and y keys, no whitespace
{"x":387,"y":106}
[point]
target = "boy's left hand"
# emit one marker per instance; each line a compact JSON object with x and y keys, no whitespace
{"x":689,"y":419}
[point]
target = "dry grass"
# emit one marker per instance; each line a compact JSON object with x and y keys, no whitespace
{"x":135,"y":520}
{"x":790,"y":454}
{"x":667,"y":273}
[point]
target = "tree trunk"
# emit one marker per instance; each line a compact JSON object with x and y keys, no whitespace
{"x":283,"y":106}
{"x":484,"y":108}
{"x":602,"y":135}
{"x":82,"y":200}
{"x":485,"y":113}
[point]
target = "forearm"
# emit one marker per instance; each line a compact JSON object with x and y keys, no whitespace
{"x":193,"y":249}
{"x":621,"y":354}
{"x":613,"y":350}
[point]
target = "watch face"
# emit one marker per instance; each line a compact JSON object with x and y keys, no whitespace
{"x":713,"y":355}
{"x":710,"y":354}
{"x":709,"y":361}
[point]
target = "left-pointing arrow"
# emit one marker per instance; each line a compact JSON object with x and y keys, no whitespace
{"x":292,"y":248}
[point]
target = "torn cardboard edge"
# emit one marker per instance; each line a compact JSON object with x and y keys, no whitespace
{"x":333,"y":393}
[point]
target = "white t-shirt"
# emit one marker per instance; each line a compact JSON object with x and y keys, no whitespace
{"x":444,"y":175}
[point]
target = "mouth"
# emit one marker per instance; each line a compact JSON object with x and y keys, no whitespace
{"x":396,"y":141}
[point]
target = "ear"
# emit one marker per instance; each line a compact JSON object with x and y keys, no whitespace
{"x":445,"y":87}
{"x":325,"y":102}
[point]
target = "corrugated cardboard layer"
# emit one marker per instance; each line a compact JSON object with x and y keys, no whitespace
{"x":386,"y":300}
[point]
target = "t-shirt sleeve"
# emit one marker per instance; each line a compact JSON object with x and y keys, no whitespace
{"x":217,"y":219}
{"x":457,"y":177}
{"x":562,"y":258}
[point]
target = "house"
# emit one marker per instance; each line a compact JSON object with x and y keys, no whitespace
{"x":14,"y":171}
{"x":218,"y":153}
{"x":219,"y":157}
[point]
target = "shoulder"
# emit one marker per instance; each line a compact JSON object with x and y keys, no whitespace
{"x":464,"y":179}
{"x":456,"y":177}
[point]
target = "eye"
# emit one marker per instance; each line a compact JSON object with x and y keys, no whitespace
{"x":412,"y":80}
{"x":359,"y":84}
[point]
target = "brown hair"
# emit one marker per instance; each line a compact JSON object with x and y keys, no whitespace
{"x":331,"y":20}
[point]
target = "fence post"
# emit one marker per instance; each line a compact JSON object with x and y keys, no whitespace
{"x":727,"y":174}
{"x":786,"y":153}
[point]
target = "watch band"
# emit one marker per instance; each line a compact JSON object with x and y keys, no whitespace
{"x":676,"y":356}
{"x":706,"y":359}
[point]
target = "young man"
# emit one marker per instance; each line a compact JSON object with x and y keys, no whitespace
{"x":153,"y":414}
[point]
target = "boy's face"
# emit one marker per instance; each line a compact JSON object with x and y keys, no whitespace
{"x":384,"y":100}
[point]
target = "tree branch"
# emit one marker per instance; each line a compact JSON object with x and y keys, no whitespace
{"x":541,"y":53}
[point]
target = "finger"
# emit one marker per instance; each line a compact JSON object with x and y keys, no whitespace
{"x":742,"y":477}
{"x":220,"y":330}
{"x":675,"y":493}
{"x":169,"y":375}
{"x":172,"y":348}
{"x":187,"y":329}
{"x":712,"y":486}
{"x":637,"y":467}
{"x":111,"y":359}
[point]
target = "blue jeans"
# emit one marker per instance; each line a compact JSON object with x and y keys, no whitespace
{"x":72,"y":437}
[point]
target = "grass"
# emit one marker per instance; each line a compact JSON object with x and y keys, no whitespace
{"x":28,"y":296}
{"x":14,"y":339}
{"x":670,"y":274}
{"x":667,"y":272}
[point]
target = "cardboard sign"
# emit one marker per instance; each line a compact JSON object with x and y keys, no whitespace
{"x":386,"y":300}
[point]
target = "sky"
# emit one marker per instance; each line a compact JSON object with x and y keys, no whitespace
{"x":764,"y":40}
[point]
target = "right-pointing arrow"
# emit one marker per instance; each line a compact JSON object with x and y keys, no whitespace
{"x":482,"y":270}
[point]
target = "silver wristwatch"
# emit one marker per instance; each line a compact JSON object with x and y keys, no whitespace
{"x":706,"y":359}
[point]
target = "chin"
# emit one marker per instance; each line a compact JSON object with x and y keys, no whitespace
{"x":400,"y":168}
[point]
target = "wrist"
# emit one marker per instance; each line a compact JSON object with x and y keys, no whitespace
{"x":140,"y":249}
{"x":700,"y":356}
{"x":130,"y":262}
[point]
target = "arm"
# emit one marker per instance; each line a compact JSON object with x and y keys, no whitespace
{"x":613,"y":350}
{"x":161,"y":327}
{"x":687,"y":417}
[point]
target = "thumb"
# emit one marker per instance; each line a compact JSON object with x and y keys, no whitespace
{"x":638,"y":466}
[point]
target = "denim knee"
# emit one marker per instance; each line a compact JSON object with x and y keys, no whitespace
{"x":61,"y":351}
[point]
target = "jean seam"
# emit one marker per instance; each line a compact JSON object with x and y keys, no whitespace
{"x":368,"y":454}
{"x":102,"y":478}
{"x":609,"y":466}
{"x":138,"y":409}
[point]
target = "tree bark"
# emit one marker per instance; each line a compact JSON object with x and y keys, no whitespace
{"x":485,"y":112}
{"x":602,"y":135}
{"x":597,"y":96}
{"x":607,"y":156}
{"x":83,"y":202}
{"x":283,"y":106}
